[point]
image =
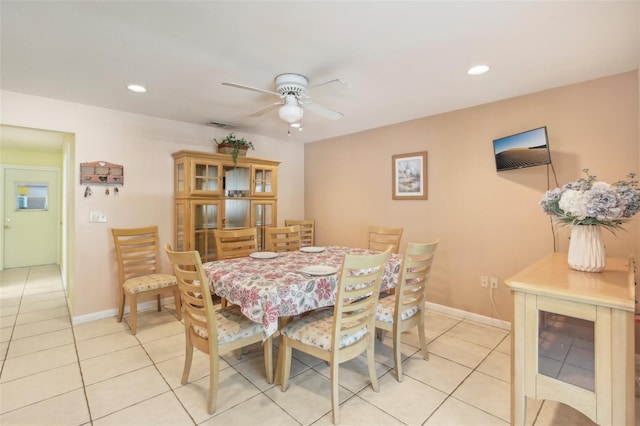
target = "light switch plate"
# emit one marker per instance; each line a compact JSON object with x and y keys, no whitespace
{"x":97,"y":217}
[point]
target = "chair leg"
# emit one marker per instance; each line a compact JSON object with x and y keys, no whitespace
{"x":397,"y":355}
{"x":371,"y":363}
{"x":335,"y":396}
{"x":268,"y":359}
{"x":121,"y":305}
{"x":188,"y":358}
{"x":285,"y":364}
{"x":133,"y":312}
{"x":213,"y":383}
{"x":159,"y":303}
{"x":178,"y":303}
{"x":423,"y":338}
{"x":282,"y":321}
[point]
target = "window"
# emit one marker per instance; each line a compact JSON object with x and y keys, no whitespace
{"x":32,"y":196}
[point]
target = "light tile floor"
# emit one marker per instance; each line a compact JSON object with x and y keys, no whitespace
{"x":98,"y":373}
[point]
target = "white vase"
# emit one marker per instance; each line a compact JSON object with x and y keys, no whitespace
{"x":586,"y":251}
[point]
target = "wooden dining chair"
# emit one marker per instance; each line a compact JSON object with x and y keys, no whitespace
{"x":281,"y":239}
{"x":383,"y":238}
{"x":307,"y":231}
{"x":405,"y":309}
{"x":344,"y":332}
{"x":211,"y":331}
{"x":137,"y":254}
{"x":234,"y":243}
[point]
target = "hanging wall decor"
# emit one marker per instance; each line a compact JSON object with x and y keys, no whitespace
{"x":101,"y":172}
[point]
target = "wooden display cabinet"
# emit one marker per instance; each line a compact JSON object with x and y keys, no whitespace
{"x":211,"y":192}
{"x":572,"y":339}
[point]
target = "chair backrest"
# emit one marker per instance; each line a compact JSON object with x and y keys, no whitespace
{"x":196,"y":299}
{"x":414,"y":276}
{"x":286,"y":238}
{"x":234,"y":243}
{"x":357,"y":296}
{"x":307,"y":231}
{"x":383,"y":238}
{"x":136,"y":251}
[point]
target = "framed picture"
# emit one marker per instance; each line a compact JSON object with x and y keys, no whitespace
{"x":409,"y":174}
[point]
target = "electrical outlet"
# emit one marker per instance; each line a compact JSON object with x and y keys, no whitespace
{"x":494,"y":282}
{"x":484,"y":281}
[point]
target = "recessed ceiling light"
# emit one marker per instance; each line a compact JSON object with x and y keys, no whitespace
{"x":137,"y":88}
{"x":478,"y":69}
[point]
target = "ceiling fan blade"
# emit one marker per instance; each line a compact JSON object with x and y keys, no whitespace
{"x":335,"y":80}
{"x":322,"y":111}
{"x":255,"y":89}
{"x":263,"y":110}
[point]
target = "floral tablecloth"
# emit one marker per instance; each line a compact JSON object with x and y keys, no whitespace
{"x":266,"y":289}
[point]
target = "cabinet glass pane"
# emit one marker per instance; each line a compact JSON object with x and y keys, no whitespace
{"x":236,"y":181}
{"x":263,"y":179}
{"x":236,"y":213}
{"x":180,"y":178}
{"x":205,"y":244}
{"x":263,"y":214}
{"x":206,"y":177}
{"x":205,"y":216}
{"x":180,"y":228}
{"x":566,"y":349}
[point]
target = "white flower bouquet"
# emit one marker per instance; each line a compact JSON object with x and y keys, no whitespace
{"x":589,"y":202}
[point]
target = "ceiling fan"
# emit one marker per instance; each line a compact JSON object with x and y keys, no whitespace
{"x":291,"y":88}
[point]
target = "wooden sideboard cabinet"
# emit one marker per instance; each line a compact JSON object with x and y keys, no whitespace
{"x":211,"y":192}
{"x":572,"y":339}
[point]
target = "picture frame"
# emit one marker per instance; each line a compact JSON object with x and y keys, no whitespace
{"x":409,"y":176}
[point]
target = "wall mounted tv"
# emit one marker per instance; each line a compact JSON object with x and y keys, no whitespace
{"x":526,"y":149}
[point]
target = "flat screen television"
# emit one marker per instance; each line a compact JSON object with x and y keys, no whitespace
{"x":526,"y":149}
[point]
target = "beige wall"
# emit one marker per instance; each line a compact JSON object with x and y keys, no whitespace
{"x":144,"y":146}
{"x":489,"y":223}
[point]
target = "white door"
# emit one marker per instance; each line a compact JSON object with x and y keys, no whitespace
{"x":31,"y":217}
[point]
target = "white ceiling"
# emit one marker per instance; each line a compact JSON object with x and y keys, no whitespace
{"x":402,"y":60}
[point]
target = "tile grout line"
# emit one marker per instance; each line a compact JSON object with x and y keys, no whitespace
{"x":450,"y":395}
{"x":13,"y":327}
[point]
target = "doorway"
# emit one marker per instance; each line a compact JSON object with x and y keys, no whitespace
{"x":31,"y":216}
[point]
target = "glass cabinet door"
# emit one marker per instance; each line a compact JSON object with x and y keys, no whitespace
{"x":236,"y":181}
{"x":179,"y":178}
{"x":264,"y":181}
{"x":180,"y":244}
{"x":566,"y":349}
{"x":206,"y":177}
{"x":263,"y":215}
{"x":236,"y":213}
{"x":205,"y":216}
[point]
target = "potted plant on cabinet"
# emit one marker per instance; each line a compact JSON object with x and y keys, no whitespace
{"x":231,"y":144}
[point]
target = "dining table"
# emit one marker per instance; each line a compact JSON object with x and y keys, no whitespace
{"x":268,"y":286}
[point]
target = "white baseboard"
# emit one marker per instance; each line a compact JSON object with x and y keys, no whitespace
{"x":494,"y":322}
{"x":151,"y":304}
{"x":94,"y":316}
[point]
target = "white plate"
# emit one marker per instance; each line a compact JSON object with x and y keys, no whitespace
{"x":312,"y":249}
{"x":319,"y":270}
{"x":264,"y":255}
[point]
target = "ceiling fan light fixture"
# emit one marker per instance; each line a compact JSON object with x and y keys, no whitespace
{"x":290,"y":113}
